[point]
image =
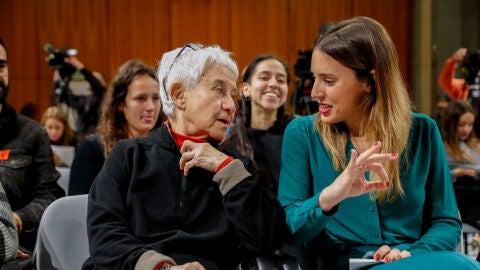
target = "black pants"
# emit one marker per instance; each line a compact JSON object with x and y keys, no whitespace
{"x":467,"y":191}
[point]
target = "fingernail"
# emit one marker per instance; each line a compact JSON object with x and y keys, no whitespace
{"x":377,"y":143}
{"x":394,"y":155}
{"x":377,"y":257}
{"x":387,"y":259}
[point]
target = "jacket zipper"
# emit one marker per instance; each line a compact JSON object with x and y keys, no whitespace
{"x":184,"y":189}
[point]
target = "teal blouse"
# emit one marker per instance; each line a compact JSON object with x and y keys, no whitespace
{"x":425,"y":220}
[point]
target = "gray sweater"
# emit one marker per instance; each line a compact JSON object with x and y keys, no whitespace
{"x":453,"y":164}
{"x":8,"y":230}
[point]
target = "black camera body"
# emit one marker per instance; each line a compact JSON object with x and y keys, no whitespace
{"x":56,"y":60}
{"x":470,"y":67}
{"x":303,"y":103}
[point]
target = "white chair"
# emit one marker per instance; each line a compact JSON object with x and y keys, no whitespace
{"x":62,"y":241}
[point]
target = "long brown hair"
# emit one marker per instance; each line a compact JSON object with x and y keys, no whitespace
{"x":112,"y":126}
{"x":363,"y":45}
{"x":449,"y":131}
{"x":57,"y":113}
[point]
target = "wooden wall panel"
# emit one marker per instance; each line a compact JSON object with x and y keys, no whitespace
{"x":73,"y":24}
{"x":201,"y":21}
{"x":137,"y":29}
{"x":17,"y":19}
{"x":305,"y":18}
{"x":108,"y":32}
{"x":258,"y":27}
{"x":397,"y":20}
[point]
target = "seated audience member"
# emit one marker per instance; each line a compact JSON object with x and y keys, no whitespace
{"x":130,"y":109}
{"x":27,"y":169}
{"x":461,"y":88}
{"x":8,"y":230}
{"x":175,"y":200}
{"x":463,"y":154}
{"x":29,"y":110}
{"x":366,"y":174}
{"x":441,"y":103}
{"x":261,"y":121}
{"x":56,"y":123}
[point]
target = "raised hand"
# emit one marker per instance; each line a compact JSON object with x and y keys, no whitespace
{"x":351,"y":182}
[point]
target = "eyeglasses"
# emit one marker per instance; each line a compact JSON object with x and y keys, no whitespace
{"x":193,"y":47}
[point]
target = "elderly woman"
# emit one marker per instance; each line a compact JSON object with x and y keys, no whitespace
{"x":175,"y":200}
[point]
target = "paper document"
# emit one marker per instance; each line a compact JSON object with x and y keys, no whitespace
{"x":65,"y":153}
{"x":358,"y":264}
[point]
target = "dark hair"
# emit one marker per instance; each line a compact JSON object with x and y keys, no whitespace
{"x":244,"y":114}
{"x":238,"y":137}
{"x":250,"y":68}
{"x":449,"y":127}
{"x":441,"y":95}
{"x":113,"y":125}
{"x":3,"y":44}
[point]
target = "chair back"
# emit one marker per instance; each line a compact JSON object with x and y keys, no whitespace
{"x":62,"y":241}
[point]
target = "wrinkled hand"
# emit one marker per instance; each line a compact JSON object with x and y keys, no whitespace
{"x":188,"y":266}
{"x":351,"y":182}
{"x":389,"y":255}
{"x":201,"y":155}
{"x":459,"y":54}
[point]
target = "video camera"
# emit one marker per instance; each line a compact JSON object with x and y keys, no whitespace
{"x":303,"y":103}
{"x":56,"y":60}
{"x":470,"y":67}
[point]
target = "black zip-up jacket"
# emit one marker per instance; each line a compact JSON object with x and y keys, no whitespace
{"x":141,"y":209}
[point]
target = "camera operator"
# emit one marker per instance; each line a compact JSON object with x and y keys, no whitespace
{"x":466,"y":88}
{"x":301,"y":99}
{"x":82,"y":110}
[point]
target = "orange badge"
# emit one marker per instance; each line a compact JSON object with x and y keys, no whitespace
{"x":4,"y":154}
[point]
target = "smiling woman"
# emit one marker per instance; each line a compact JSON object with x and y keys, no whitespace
{"x":259,"y":125}
{"x":367,"y":175}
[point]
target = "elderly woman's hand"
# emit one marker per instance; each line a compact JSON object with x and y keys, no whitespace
{"x":201,"y":155}
{"x":351,"y":182}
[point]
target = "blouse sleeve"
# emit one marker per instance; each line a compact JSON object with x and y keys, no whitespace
{"x":296,"y":195}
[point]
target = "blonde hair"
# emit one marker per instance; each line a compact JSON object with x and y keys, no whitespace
{"x":56,"y":113}
{"x":364,"y":45}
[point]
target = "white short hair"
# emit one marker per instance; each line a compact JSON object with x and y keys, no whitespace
{"x":187,"y":65}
